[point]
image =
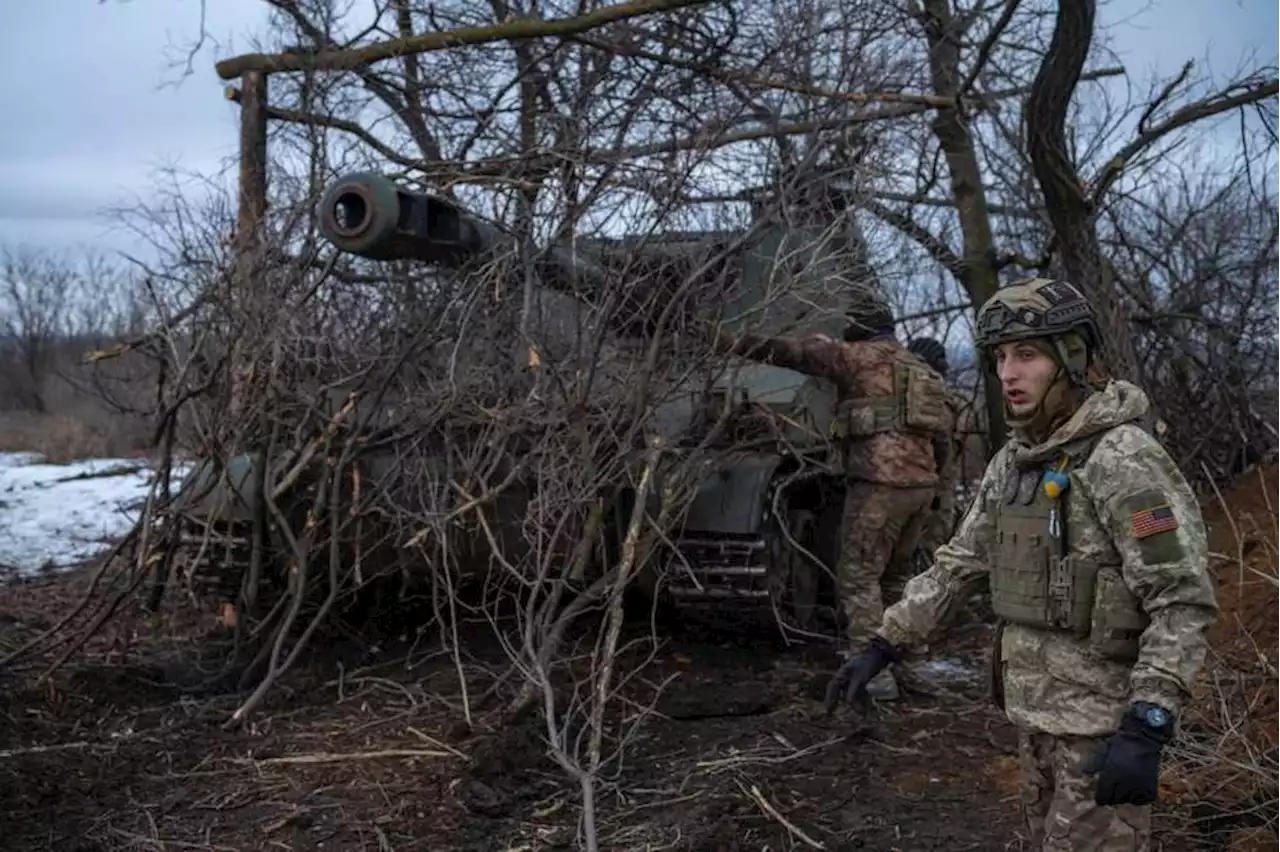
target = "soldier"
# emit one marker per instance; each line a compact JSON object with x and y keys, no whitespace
{"x":1095,"y":550}
{"x":888,"y":409}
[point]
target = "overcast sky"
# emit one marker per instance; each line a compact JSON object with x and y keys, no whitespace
{"x":86,"y":117}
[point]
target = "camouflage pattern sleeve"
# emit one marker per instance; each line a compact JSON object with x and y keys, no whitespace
{"x":822,"y":358}
{"x":930,"y":598}
{"x":1155,"y":523}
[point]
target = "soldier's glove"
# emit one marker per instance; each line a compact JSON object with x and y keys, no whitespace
{"x":1128,"y":763}
{"x":851,"y":680}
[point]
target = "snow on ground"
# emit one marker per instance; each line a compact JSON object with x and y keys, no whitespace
{"x":57,"y":515}
{"x":949,"y":670}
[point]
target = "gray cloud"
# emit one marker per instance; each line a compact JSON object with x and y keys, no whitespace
{"x":86,"y":121}
{"x":88,"y":118}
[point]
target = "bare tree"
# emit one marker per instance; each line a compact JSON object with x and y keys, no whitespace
{"x":519,"y":421}
{"x":37,"y":293}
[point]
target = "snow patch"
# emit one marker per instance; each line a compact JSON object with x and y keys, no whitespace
{"x":58,"y":515}
{"x":953,"y":670}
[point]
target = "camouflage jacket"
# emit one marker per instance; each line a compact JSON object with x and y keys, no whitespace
{"x":856,"y":369}
{"x":1051,"y":680}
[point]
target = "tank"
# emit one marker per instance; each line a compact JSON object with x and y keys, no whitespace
{"x":762,"y":530}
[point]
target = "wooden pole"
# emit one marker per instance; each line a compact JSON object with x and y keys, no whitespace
{"x":247,"y":249}
{"x":251,"y":211}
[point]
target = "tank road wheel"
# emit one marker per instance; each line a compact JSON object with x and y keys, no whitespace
{"x":794,"y":581}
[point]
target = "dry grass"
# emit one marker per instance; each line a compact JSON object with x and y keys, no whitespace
{"x":1223,"y":778}
{"x":63,"y":438}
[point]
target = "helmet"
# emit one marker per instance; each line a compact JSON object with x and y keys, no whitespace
{"x":1036,"y":307}
{"x":1042,"y":308}
{"x":869,"y":309}
{"x":931,"y":351}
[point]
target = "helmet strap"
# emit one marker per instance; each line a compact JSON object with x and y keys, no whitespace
{"x":1076,"y":367}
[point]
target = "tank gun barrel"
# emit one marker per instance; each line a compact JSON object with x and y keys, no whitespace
{"x":369,"y":215}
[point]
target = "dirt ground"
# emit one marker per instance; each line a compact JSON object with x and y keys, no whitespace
{"x":364,"y":747}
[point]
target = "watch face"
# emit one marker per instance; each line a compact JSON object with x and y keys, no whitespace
{"x":1157,"y":718}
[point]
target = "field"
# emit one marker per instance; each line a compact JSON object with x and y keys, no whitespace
{"x":365,"y":747}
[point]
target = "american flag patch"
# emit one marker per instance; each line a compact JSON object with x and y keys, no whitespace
{"x":1148,"y":522}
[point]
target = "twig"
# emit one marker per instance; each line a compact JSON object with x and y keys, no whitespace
{"x":338,"y":757}
{"x":41,"y":749}
{"x":79,"y":607}
{"x":435,"y":742}
{"x":764,"y":804}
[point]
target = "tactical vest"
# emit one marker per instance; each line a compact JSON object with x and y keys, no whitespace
{"x":1037,"y":581}
{"x":916,"y":404}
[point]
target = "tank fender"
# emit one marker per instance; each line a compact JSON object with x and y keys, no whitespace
{"x":733,"y":496}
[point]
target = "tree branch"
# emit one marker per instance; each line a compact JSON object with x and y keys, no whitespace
{"x":348,"y":59}
{"x":294,"y":116}
{"x":936,"y":248}
{"x":1216,"y":104}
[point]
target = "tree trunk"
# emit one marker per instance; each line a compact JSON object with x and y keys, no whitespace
{"x":978,"y":273}
{"x":1075,"y":238}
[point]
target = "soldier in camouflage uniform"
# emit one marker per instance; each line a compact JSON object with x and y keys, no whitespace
{"x":889,"y":407}
{"x":1096,"y":554}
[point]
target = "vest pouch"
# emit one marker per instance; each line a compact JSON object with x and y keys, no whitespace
{"x":1020,"y":581}
{"x":1072,"y":593}
{"x":1118,"y":621}
{"x":924,"y":401}
{"x":862,"y":421}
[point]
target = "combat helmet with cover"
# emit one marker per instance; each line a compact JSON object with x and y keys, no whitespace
{"x":1043,"y":309}
{"x":869,"y":314}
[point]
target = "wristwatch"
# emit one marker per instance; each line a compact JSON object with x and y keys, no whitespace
{"x":1154,"y":717}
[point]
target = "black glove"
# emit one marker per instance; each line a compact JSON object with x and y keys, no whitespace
{"x":1128,"y":763}
{"x":852,"y":677}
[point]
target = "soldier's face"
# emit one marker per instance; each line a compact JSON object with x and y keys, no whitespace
{"x":1025,"y":374}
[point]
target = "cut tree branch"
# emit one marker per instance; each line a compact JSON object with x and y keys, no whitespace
{"x":348,"y":59}
{"x":936,"y":248}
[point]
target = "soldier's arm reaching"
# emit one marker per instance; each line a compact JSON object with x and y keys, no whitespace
{"x":931,"y":597}
{"x":815,"y":356}
{"x":1155,"y":523}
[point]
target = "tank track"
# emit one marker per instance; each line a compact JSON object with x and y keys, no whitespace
{"x":215,"y":557}
{"x":752,"y":574}
{"x":711,"y":569}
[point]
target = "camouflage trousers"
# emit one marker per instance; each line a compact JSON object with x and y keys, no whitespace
{"x":878,"y":537}
{"x":1057,"y":800}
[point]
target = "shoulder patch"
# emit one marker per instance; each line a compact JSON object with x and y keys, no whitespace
{"x":1147,"y":522}
{"x":1150,"y":513}
{"x":1154,"y":525}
